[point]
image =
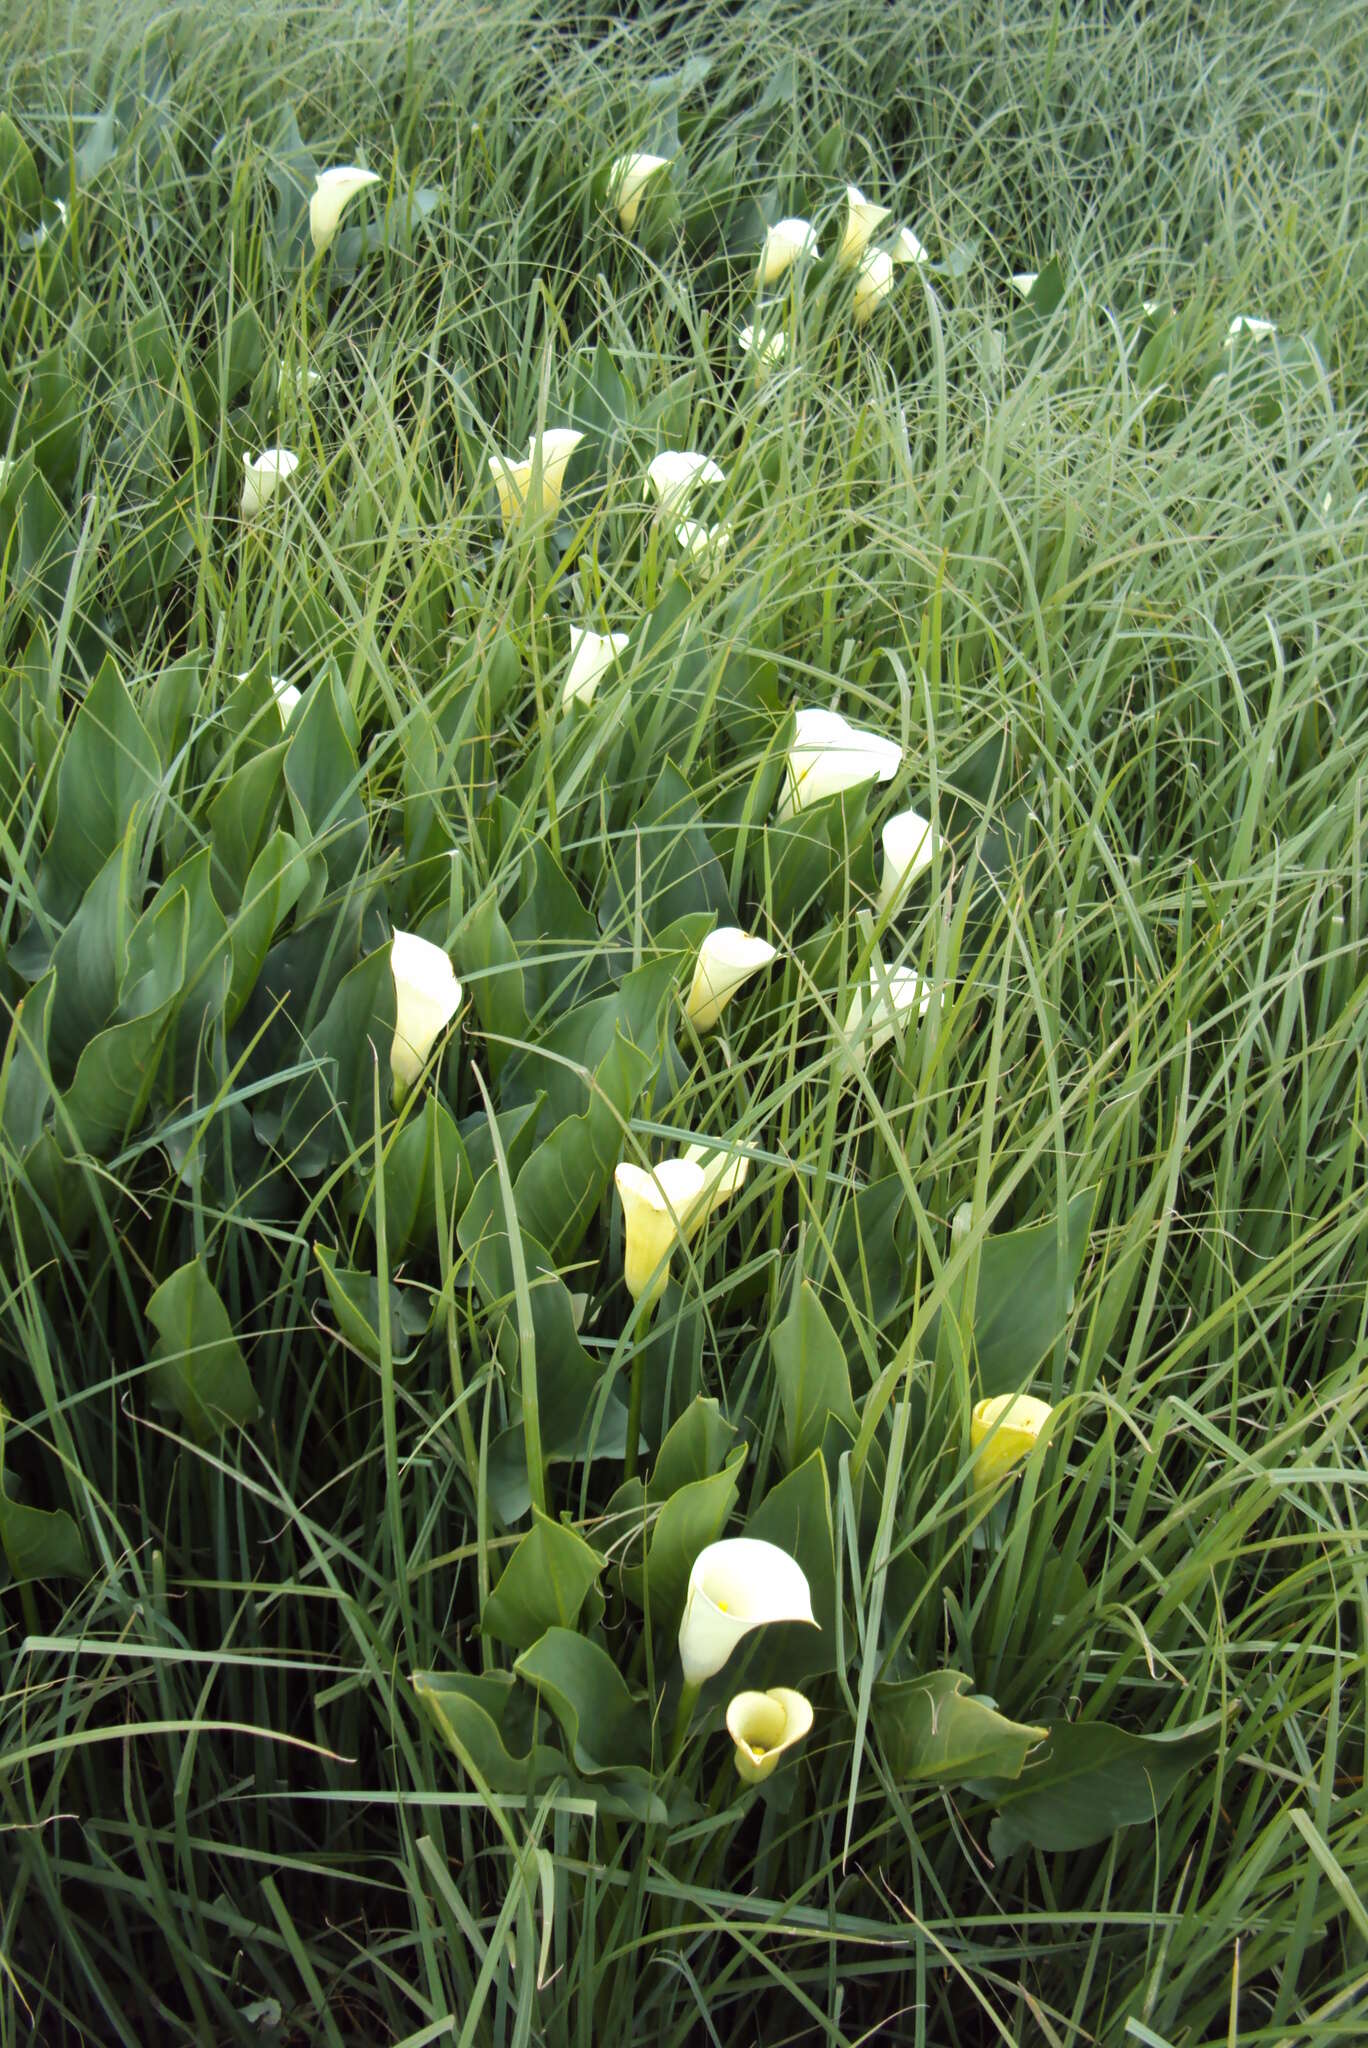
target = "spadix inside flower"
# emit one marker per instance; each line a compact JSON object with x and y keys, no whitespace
{"x":873,"y":282}
{"x":427,"y":996}
{"x":763,"y":1725}
{"x":909,"y":847}
{"x":829,"y":755}
{"x":676,"y":475}
{"x":262,"y":476}
{"x":332,"y":190}
{"x":628,"y":177}
{"x":736,"y":1585}
{"x":785,"y":242}
{"x":727,"y":958}
{"x":893,"y":998}
{"x":1005,"y":1430}
{"x":656,"y":1208}
{"x":591,"y":657}
{"x":863,"y":219}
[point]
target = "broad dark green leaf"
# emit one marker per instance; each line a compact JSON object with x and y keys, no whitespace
{"x":1090,"y":1780}
{"x":200,"y":1368}
{"x":934,"y":1734}
{"x":542,"y":1586}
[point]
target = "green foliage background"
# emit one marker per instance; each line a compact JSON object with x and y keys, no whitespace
{"x":314,"y":1728}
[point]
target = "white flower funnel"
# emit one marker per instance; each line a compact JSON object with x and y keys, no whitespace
{"x":331,"y":192}
{"x":1245,"y":323}
{"x":765,"y":344}
{"x":656,"y":1210}
{"x":514,"y":480}
{"x":727,"y":958}
{"x":905,"y":248}
{"x":676,"y":475}
{"x":786,"y":241}
{"x":262,"y":476}
{"x":628,"y":177}
{"x":909,"y":847}
{"x":1023,"y":281}
{"x":829,"y":755}
{"x":286,"y":696}
{"x":591,"y":657}
{"x":893,"y":1000}
{"x":1008,"y":1428}
{"x":735,"y":1586}
{"x":863,"y":219}
{"x":703,"y":545}
{"x":427,"y":997}
{"x":873,"y":283}
{"x":763,"y":1725}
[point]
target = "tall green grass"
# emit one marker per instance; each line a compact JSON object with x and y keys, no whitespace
{"x":1119,"y":624}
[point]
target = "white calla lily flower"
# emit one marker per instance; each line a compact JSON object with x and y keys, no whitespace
{"x":909,"y":846}
{"x":736,"y":1585}
{"x":894,"y":997}
{"x":513,"y":480}
{"x":656,"y":1210}
{"x":874,"y":281}
{"x":1023,"y":281}
{"x":727,"y":958}
{"x":863,"y":219}
{"x":1245,"y":323}
{"x":829,"y":755}
{"x":332,"y":190}
{"x":703,"y":545}
{"x":784,"y":243}
{"x":591,"y":657}
{"x":763,"y":1725}
{"x":286,"y":695}
{"x":676,"y":475}
{"x":765,"y":345}
{"x":262,"y":476}
{"x":1007,"y":1428}
{"x":427,"y":996}
{"x":628,"y":177}
{"x":906,"y":248}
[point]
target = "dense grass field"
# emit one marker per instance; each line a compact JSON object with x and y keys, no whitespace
{"x":352,"y":1501}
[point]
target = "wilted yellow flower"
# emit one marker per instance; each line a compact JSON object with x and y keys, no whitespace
{"x":1008,"y":1427}
{"x":513,"y":480}
{"x":763,"y":1725}
{"x":656,"y":1208}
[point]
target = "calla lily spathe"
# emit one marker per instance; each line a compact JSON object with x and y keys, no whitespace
{"x":829,"y":755}
{"x":863,"y":219}
{"x":785,"y":242}
{"x":895,"y":996}
{"x":737,"y":1585}
{"x":676,"y":475}
{"x":909,"y":846}
{"x":1023,"y":281}
{"x":656,"y":1208}
{"x":262,"y":476}
{"x":765,"y":345}
{"x":332,"y":190}
{"x":427,"y":996}
{"x":591,"y":657}
{"x":513,"y":480}
{"x":702,"y":545}
{"x":628,"y":177}
{"x":905,"y":247}
{"x":1246,"y":323}
{"x":763,"y":1725}
{"x":727,"y":958}
{"x":1008,"y":1428}
{"x":873,"y":282}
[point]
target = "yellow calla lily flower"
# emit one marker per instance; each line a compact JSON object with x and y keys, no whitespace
{"x":763,"y":1725}
{"x":1008,"y":1428}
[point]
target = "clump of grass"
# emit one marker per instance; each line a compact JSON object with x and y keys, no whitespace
{"x":1114,"y":617}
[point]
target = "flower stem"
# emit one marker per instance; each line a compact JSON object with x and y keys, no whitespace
{"x":631,"y":1454}
{"x":688,"y":1700}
